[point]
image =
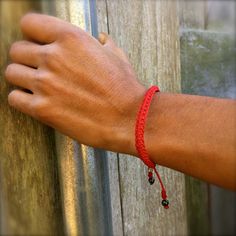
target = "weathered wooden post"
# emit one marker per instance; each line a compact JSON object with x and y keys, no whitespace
{"x":30,"y":199}
{"x":148,"y":32}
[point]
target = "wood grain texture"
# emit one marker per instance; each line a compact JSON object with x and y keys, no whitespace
{"x":30,"y":197}
{"x":148,"y":32}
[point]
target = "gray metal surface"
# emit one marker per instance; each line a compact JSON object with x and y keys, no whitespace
{"x":83,"y":170}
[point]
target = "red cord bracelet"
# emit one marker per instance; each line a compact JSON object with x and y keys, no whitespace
{"x":140,"y":145}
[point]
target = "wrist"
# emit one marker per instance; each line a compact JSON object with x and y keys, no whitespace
{"x":156,"y":133}
{"x":120,"y":137}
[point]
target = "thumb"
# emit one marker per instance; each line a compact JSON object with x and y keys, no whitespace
{"x":107,"y":42}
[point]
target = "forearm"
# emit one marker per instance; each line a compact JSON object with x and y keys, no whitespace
{"x":195,"y":135}
{"x":88,"y":90}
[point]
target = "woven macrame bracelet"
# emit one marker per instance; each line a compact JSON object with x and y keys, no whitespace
{"x":140,"y":144}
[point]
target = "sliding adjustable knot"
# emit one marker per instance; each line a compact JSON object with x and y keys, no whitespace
{"x":151,"y":179}
{"x":140,"y":145}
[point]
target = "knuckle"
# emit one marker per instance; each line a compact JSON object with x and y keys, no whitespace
{"x":74,"y":35}
{"x":41,"y":108}
{"x":48,"y":55}
{"x":44,"y":81}
{"x":68,"y":34}
{"x":40,"y":80}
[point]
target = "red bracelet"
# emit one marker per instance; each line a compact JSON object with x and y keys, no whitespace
{"x":140,"y":145}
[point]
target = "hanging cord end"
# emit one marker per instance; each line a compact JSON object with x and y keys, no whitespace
{"x":151,"y":180}
{"x":164,"y":202}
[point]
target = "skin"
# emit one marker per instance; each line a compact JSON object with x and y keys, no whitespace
{"x":78,"y":85}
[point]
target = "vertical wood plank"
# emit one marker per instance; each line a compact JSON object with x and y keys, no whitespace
{"x":148,"y":32}
{"x":30,"y":196}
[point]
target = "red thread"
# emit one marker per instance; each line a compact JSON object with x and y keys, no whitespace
{"x":139,"y":140}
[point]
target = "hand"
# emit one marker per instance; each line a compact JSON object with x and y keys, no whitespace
{"x":83,"y":87}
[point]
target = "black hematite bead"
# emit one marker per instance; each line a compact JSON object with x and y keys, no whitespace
{"x":165,"y":202}
{"x":151,"y":180}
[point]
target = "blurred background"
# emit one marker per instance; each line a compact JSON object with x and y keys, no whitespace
{"x":208,"y":67}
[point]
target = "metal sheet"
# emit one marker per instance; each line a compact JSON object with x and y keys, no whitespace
{"x":83,"y":170}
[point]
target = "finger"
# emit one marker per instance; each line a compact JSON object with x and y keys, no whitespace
{"x":102,"y":38}
{"x":21,"y":101}
{"x":43,"y":28}
{"x":107,"y":42}
{"x":26,"y":53}
{"x":20,"y":75}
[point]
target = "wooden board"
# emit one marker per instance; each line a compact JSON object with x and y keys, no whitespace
{"x":148,"y":32}
{"x":30,"y":199}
